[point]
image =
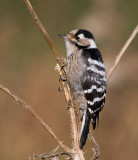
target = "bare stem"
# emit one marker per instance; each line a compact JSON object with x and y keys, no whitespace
{"x":96,"y":148}
{"x":52,"y":154}
{"x":73,"y":123}
{"x":120,"y":54}
{"x":31,"y":110}
{"x":42,"y":29}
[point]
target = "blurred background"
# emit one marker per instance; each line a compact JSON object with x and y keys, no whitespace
{"x":27,"y":68}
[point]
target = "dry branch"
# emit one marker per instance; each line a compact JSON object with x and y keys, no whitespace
{"x":49,"y":156}
{"x":119,"y":56}
{"x":52,"y":154}
{"x":42,"y":29}
{"x":96,"y":148}
{"x":74,"y":131}
{"x":36,"y":116}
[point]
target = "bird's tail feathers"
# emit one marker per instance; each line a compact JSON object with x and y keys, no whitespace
{"x":95,"y":119}
{"x":85,"y":128}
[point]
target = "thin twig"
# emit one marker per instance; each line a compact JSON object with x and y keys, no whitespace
{"x":36,"y":116}
{"x":47,"y":156}
{"x":119,"y":56}
{"x":51,"y":152}
{"x":66,"y":88}
{"x":42,"y":29}
{"x":96,"y":148}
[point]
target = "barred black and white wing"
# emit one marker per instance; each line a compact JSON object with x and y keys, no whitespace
{"x":94,"y":85}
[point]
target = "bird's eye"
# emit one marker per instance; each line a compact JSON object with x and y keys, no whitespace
{"x":77,"y":38}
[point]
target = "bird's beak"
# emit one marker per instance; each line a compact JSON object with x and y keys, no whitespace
{"x":63,"y":36}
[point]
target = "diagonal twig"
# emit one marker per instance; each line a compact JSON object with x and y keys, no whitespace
{"x":119,"y":56}
{"x":49,"y":153}
{"x":96,"y":148}
{"x":36,"y":116}
{"x":52,"y":154}
{"x":42,"y":29}
{"x":47,"y":156}
{"x":73,"y":124}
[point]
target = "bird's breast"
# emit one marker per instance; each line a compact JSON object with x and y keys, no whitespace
{"x":75,"y":68}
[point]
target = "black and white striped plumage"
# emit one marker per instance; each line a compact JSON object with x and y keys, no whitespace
{"x":86,"y":77}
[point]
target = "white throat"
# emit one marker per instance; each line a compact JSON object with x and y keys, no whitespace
{"x":70,"y":48}
{"x":92,"y":43}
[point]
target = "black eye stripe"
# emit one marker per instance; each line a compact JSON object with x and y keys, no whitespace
{"x":81,"y":47}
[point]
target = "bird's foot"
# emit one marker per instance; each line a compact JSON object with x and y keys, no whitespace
{"x":60,"y":89}
{"x":63,"y":78}
{"x":62,"y":62}
{"x":69,"y":105}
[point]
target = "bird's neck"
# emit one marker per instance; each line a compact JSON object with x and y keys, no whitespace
{"x":70,"y":48}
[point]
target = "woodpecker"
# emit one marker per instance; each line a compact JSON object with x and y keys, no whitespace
{"x":86,"y":77}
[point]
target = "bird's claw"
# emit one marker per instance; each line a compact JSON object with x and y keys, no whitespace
{"x":69,"y":105}
{"x":62,"y":62}
{"x":63,"y":78}
{"x":60,"y":89}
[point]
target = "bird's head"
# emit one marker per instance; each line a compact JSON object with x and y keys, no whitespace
{"x":79,"y":39}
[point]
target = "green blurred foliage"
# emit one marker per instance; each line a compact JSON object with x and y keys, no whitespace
{"x":27,"y":67}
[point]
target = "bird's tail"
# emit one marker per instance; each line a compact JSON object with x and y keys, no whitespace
{"x":85,"y":128}
{"x":95,"y":119}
